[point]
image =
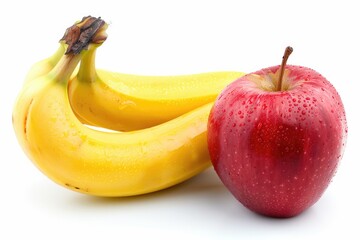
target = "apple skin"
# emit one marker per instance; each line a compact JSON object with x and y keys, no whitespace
{"x":277,"y":151}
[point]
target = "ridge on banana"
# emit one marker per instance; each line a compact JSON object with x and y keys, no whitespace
{"x":96,"y":162}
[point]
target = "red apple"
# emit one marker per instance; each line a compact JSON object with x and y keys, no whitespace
{"x":275,"y":138}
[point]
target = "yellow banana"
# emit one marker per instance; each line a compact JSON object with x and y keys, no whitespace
{"x":127,"y":102}
{"x":103,"y":163}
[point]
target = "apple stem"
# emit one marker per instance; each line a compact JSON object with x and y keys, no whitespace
{"x":287,"y":53}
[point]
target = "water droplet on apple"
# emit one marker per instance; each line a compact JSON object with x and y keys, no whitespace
{"x":303,"y":112}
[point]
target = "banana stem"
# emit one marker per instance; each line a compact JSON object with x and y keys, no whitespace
{"x":87,"y":70}
{"x":78,"y":37}
{"x":65,"y":67}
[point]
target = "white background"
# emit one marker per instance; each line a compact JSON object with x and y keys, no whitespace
{"x":169,"y":38}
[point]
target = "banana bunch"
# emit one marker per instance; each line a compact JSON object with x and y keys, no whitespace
{"x":162,"y":120}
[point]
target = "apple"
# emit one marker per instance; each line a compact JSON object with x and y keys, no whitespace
{"x":276,"y":136}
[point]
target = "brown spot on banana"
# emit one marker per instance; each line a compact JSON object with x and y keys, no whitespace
{"x":75,"y":187}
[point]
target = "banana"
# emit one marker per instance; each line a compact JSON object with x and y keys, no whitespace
{"x":128,"y":102}
{"x":96,"y":162}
